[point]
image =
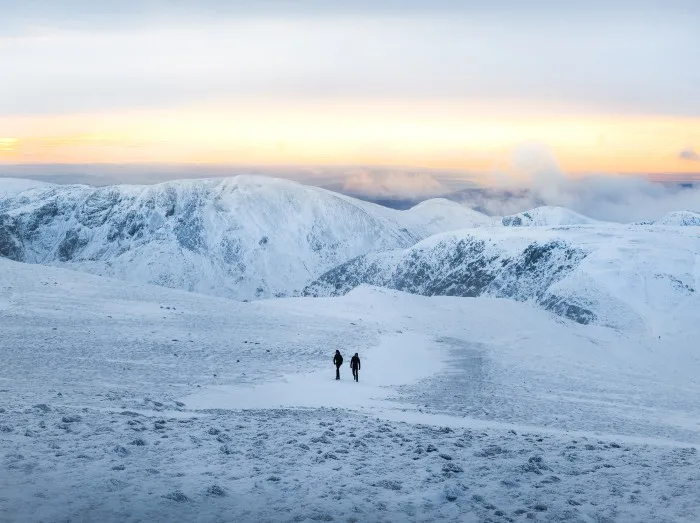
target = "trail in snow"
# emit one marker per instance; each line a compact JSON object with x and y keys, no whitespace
{"x":398,"y":359}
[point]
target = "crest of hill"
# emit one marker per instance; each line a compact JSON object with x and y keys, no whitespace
{"x":546,"y":216}
{"x":10,"y":187}
{"x":680,"y":219}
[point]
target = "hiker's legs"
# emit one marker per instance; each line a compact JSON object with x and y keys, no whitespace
{"x":337,"y":372}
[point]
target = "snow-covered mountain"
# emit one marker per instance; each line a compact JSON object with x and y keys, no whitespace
{"x":244,"y":237}
{"x":680,"y":219}
{"x":609,"y":275}
{"x":255,"y":237}
{"x":546,"y":216}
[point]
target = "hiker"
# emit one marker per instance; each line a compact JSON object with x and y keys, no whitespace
{"x":355,"y":366}
{"x":337,"y":361}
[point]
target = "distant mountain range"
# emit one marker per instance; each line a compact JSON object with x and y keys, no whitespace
{"x":256,"y":237}
{"x":243,"y":237}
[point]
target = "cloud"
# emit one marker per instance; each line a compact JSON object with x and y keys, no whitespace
{"x":358,"y":181}
{"x":393,"y":184}
{"x":689,"y":154}
{"x":164,"y":53}
{"x":533,"y":178}
{"x":7,"y":144}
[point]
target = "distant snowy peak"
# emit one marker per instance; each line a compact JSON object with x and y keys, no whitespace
{"x":441,"y":215}
{"x":244,"y":237}
{"x":10,"y":187}
{"x":546,"y":216}
{"x":680,"y":219}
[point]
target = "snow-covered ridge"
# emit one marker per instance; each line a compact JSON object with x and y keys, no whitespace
{"x":10,"y":187}
{"x":608,"y":275}
{"x":244,"y":237}
{"x":546,"y":216}
{"x":680,"y":219}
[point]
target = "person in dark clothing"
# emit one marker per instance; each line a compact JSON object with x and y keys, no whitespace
{"x":355,"y":366}
{"x":337,"y":361}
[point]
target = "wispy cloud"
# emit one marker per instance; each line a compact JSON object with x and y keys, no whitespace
{"x":689,"y":154}
{"x":161,"y":52}
{"x":535,"y":178}
{"x":393,"y":184}
{"x":7,"y":144}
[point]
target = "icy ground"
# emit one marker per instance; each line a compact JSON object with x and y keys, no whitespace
{"x":124,"y":402}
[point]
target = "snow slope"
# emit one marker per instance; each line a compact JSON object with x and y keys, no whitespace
{"x":129,"y":402}
{"x":680,"y":219}
{"x":612,"y":275}
{"x":546,"y":216}
{"x":244,"y":237}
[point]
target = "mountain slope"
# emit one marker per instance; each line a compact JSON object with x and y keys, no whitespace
{"x":680,"y":219}
{"x":608,"y":275}
{"x":243,"y":237}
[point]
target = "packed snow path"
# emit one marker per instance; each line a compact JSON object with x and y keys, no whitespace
{"x":136,"y":403}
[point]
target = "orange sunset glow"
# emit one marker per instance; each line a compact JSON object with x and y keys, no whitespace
{"x":439,"y":135}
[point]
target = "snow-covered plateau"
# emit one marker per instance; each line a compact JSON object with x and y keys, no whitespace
{"x":548,"y":372}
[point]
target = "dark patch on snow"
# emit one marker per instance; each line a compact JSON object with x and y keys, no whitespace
{"x":177,"y":496}
{"x":70,"y":245}
{"x":388,"y":484}
{"x":216,"y":490}
{"x":10,"y":244}
{"x":120,"y":451}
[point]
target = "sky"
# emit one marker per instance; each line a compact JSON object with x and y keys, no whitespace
{"x":404,"y":86}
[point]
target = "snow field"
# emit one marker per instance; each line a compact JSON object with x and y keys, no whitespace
{"x":64,"y":464}
{"x":126,"y":402}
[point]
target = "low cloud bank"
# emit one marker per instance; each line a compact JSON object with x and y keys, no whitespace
{"x":393,"y":184}
{"x":531,"y":178}
{"x":534,"y":178}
